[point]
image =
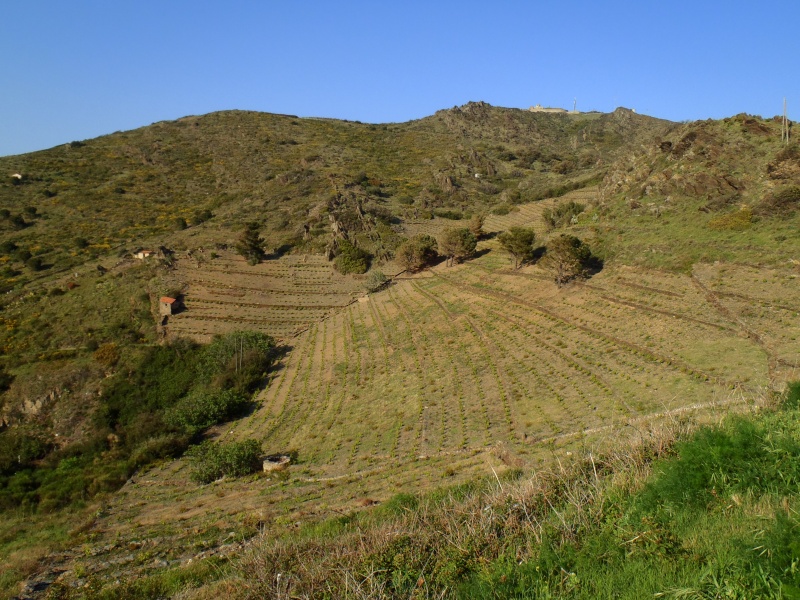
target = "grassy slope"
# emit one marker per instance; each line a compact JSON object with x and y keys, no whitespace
{"x":710,"y":513}
{"x":125,"y":190}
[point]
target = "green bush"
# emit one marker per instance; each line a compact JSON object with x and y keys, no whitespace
{"x":168,"y":445}
{"x":457,"y":244}
{"x":740,"y":456}
{"x":453,"y":215}
{"x":562,"y":214}
{"x":416,"y":253}
{"x":351,"y":259}
{"x":203,"y":408}
{"x":19,"y":447}
{"x":210,"y":461}
{"x":238,"y":360}
{"x":251,"y":244}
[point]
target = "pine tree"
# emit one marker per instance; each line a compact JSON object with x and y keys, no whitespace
{"x":251,"y":244}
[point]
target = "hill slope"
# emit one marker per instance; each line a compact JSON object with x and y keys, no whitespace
{"x":439,"y":378}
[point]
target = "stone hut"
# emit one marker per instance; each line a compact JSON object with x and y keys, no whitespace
{"x":168,"y":306}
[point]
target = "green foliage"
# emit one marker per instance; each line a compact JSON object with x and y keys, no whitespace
{"x":457,"y":244}
{"x":742,"y":456}
{"x":736,"y":221}
{"x":19,"y":448}
{"x":211,"y":460}
{"x":375,"y":281}
{"x":568,"y":258}
{"x":6,"y":379}
{"x":416,"y":253}
{"x":351,"y":259}
{"x":34,"y":263}
{"x":519,"y":243}
{"x":562,"y":213}
{"x":238,"y":360}
{"x":202,"y":408}
{"x":476,"y":223}
{"x":453,"y":215}
{"x":250,"y":244}
{"x":501,"y":210}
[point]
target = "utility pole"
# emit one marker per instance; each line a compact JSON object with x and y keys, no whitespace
{"x":784,"y":125}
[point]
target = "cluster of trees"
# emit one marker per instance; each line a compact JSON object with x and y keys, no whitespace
{"x":454,"y":244}
{"x":565,"y":257}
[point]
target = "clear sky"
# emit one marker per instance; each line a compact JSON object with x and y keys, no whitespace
{"x":76,"y":69}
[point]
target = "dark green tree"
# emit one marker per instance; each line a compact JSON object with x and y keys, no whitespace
{"x":457,"y":244}
{"x":251,"y":244}
{"x":416,"y":253}
{"x":351,"y":259}
{"x":568,"y":258}
{"x":519,"y":243}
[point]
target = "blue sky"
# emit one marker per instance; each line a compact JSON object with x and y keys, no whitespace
{"x":77,"y":69}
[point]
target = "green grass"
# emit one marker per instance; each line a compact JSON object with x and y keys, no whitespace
{"x":716,"y":517}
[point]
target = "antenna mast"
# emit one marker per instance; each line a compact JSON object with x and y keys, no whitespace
{"x":784,"y":125}
{"x":575,"y":105}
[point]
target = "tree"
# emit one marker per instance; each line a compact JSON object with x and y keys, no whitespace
{"x":568,"y":258}
{"x":476,"y":225}
{"x":351,"y":259}
{"x":251,"y":244}
{"x":518,"y":242}
{"x":416,"y":253}
{"x":457,"y":244}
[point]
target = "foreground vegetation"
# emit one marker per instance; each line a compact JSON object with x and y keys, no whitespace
{"x":711,"y":513}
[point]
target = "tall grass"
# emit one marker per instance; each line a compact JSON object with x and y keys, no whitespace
{"x":709,"y":514}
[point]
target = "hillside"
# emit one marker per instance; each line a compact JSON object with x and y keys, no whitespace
{"x":434,"y":379}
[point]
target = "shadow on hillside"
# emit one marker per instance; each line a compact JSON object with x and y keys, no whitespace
{"x":279,"y":252}
{"x":593,"y":266}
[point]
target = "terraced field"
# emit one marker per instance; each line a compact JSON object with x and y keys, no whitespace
{"x":278,"y":297}
{"x":456,"y":373}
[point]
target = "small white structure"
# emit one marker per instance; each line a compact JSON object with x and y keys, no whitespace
{"x":142,"y":254}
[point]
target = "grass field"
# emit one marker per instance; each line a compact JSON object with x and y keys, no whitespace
{"x":445,"y":376}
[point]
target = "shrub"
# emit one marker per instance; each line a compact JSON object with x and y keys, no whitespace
{"x":740,"y":456}
{"x":562,"y":214}
{"x":351,"y":259}
{"x":201,"y":216}
{"x":501,"y":210}
{"x":19,"y":447}
{"x":237,"y":360}
{"x":782,"y":202}
{"x":416,"y":253}
{"x":203,"y":408}
{"x":34,"y":263}
{"x":738,"y":221}
{"x":168,"y":445}
{"x":453,"y":215}
{"x":212,"y":461}
{"x":107,"y":355}
{"x":375,"y":281}
{"x":476,"y":225}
